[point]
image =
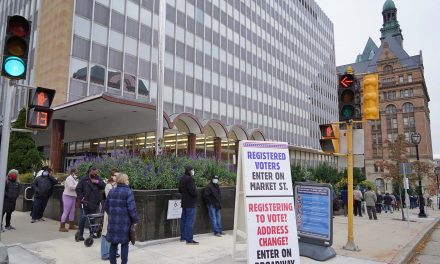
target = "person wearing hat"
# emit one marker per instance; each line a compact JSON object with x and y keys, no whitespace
{"x":187,"y":188}
{"x":43,"y":189}
{"x":213,"y":198}
{"x":12,"y":190}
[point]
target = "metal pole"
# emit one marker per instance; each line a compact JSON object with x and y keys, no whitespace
{"x":350,"y":241}
{"x":160,"y":78}
{"x":421,"y":200}
{"x":405,"y":186}
{"x":6,"y":133}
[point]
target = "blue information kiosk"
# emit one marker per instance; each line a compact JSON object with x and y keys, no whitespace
{"x":314,"y":220}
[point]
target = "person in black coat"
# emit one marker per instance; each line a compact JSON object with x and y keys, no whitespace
{"x":212,"y":196}
{"x":12,"y":190}
{"x":88,"y":192}
{"x":187,"y":188}
{"x":43,"y":188}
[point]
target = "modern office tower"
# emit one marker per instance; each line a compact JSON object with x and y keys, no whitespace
{"x":234,"y":70}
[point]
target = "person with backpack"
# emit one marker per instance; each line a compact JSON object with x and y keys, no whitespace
{"x":69,"y":201}
{"x":12,"y":190}
{"x":212,"y":196}
{"x":88,"y":192}
{"x":43,"y":188}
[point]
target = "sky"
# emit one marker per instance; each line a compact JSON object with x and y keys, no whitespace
{"x":356,"y":20}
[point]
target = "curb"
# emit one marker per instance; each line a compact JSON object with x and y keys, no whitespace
{"x":409,"y":251}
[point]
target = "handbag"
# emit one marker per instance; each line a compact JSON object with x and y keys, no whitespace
{"x":132,"y":234}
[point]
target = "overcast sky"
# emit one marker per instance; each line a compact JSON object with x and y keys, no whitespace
{"x":356,"y":20}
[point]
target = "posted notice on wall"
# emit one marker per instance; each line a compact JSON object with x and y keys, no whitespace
{"x":270,"y":212}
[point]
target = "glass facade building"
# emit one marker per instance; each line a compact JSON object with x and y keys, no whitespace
{"x":255,"y":63}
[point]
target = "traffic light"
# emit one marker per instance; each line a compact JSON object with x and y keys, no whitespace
{"x":329,"y":138}
{"x":347,"y":93}
{"x":371,"y":97}
{"x":16,"y":48}
{"x":39,"y":112}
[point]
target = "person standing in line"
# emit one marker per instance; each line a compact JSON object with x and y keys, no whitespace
{"x":379,"y":201}
{"x":213,"y":198}
{"x":344,"y":198}
{"x":12,"y":191}
{"x":88,"y":191}
{"x":387,"y":203}
{"x":105,"y":245}
{"x":187,"y":188}
{"x":43,"y":188}
{"x":121,"y":208}
{"x":393,"y":201}
{"x":357,"y":195}
{"x":69,"y":201}
{"x":371,"y":199}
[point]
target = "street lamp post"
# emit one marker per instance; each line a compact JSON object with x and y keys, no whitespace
{"x":415,"y":139}
{"x":437,"y":172}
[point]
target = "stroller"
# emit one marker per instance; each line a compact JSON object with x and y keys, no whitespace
{"x":94,"y":222}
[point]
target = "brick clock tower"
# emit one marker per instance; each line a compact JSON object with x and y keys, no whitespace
{"x":403,"y":97}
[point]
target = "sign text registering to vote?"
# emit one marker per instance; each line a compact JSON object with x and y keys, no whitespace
{"x":270,"y":213}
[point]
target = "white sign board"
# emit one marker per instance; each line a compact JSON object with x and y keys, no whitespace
{"x":358,"y":142}
{"x":265,"y":196}
{"x":174,"y":209}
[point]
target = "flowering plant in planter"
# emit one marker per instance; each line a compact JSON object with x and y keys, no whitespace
{"x":149,"y":172}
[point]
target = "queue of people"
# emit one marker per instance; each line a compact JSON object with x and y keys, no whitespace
{"x":119,"y":206}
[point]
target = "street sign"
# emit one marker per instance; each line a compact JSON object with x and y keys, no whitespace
{"x":264,"y":207}
{"x":358,"y":140}
{"x":174,"y":209}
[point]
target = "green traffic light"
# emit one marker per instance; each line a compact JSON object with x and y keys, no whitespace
{"x":14,"y":66}
{"x":347,"y":111}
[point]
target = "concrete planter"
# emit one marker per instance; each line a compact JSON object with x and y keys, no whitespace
{"x":152,"y":207}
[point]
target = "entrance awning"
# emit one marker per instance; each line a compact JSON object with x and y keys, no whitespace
{"x":101,"y":116}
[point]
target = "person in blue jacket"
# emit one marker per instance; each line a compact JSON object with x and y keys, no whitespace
{"x":121,"y":209}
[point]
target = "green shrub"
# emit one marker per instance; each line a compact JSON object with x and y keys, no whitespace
{"x":161,"y":172}
{"x":27,"y":177}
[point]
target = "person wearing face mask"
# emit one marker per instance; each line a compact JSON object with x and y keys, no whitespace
{"x":12,"y":191}
{"x":187,"y":188}
{"x":212,"y":197}
{"x":69,"y":201}
{"x":43,"y":188}
{"x":88,"y":192}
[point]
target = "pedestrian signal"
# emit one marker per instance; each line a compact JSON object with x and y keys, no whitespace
{"x":39,"y":112}
{"x":329,"y":138}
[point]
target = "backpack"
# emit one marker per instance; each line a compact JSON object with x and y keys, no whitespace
{"x":44,"y":186}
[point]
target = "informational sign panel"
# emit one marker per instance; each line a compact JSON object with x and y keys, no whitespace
{"x":314,"y":213}
{"x":174,"y":209}
{"x":265,"y":195}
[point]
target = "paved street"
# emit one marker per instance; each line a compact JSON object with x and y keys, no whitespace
{"x":429,"y":253}
{"x":42,"y":243}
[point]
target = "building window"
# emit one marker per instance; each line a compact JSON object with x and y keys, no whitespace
{"x":410,"y":79}
{"x":388,"y":69}
{"x":406,"y":92}
{"x":390,"y":109}
{"x":400,"y":79}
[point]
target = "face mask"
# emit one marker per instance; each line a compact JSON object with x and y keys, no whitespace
{"x":45,"y":173}
{"x":215,"y":181}
{"x":192,"y":172}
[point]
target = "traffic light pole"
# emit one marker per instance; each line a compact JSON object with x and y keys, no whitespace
{"x":350,"y":241}
{"x":6,"y":132}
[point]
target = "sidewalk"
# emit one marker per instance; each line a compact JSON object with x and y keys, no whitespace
{"x":41,"y":242}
